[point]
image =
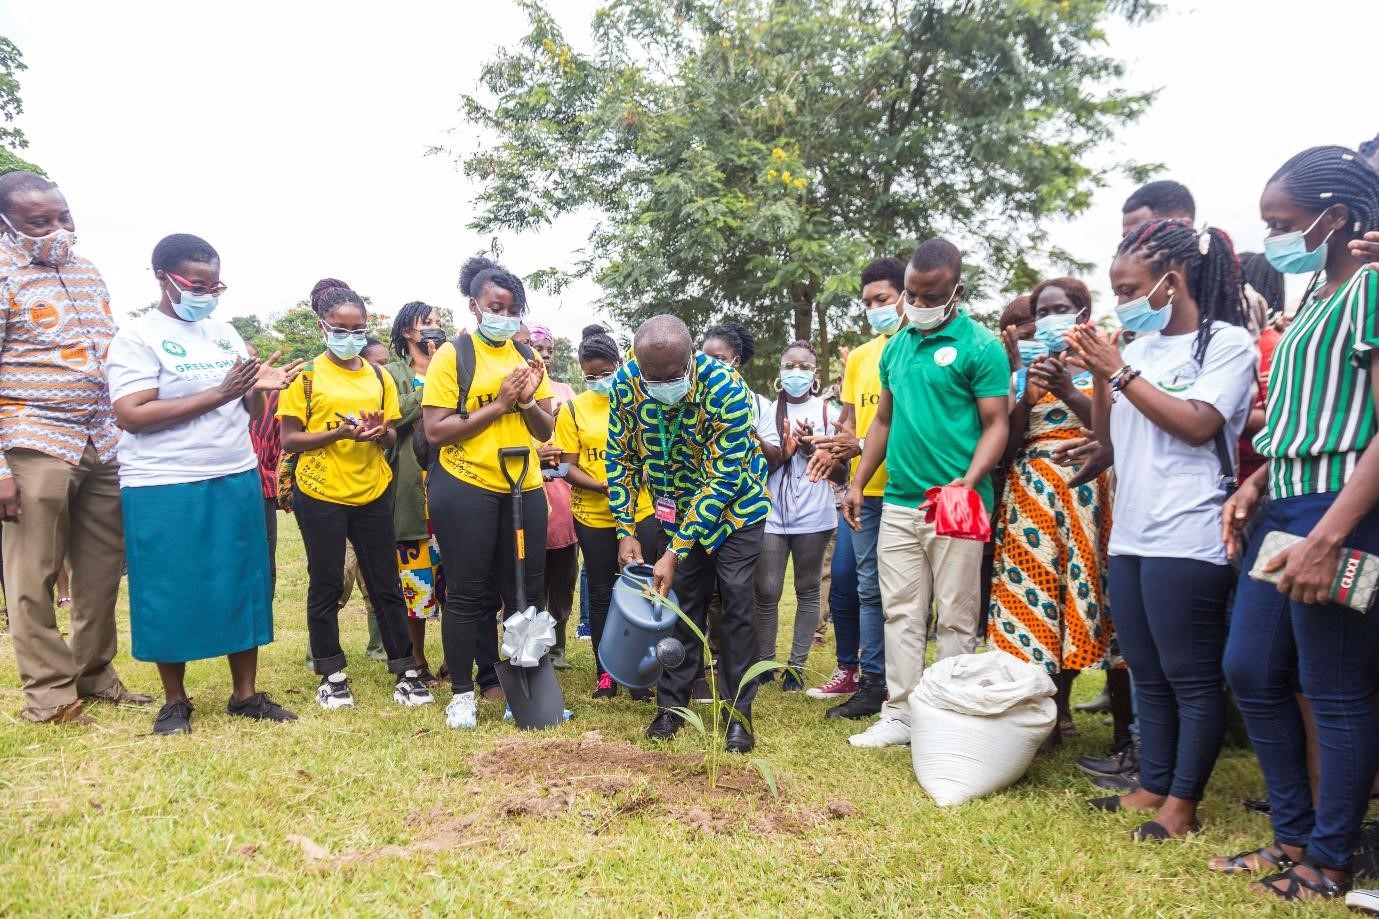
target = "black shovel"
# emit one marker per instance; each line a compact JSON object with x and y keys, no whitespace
{"x":533,"y":693}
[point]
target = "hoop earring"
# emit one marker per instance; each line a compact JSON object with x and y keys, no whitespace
{"x":814,"y":390}
{"x":780,"y":387}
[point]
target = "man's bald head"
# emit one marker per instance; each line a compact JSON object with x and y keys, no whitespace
{"x":663,"y":347}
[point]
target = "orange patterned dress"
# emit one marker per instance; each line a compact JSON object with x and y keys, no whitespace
{"x":1048,"y":597}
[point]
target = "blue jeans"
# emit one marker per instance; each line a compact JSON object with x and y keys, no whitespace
{"x":871,"y":621}
{"x":1275,"y":645}
{"x":583,"y":596}
{"x":842,"y":597}
{"x":1171,"y":621}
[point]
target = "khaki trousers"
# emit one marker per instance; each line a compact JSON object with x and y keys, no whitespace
{"x":73,"y":513}
{"x":920,"y":570}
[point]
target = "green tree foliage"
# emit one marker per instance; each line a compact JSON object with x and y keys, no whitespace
{"x":747,"y":157}
{"x":11,"y":107}
{"x":565,"y":363}
{"x":298,"y":333}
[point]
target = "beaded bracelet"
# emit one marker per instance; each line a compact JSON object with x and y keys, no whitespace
{"x":1125,"y":380}
{"x":1115,"y":377}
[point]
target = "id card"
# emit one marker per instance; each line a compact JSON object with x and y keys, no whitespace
{"x":665,"y":510}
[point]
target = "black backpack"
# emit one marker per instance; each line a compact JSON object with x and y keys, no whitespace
{"x":464,"y":377}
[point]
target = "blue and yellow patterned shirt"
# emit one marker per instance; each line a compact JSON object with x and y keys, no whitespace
{"x":717,"y":472}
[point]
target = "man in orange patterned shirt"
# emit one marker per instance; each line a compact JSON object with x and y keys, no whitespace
{"x":59,"y":492}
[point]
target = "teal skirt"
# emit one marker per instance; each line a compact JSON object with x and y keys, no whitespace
{"x":199,"y":582}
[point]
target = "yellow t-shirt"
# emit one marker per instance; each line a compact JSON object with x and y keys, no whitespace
{"x":862,"y":390}
{"x":347,"y":471}
{"x":475,"y":459}
{"x":585,"y":433}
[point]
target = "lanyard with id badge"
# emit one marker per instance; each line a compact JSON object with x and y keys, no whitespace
{"x":665,"y":506}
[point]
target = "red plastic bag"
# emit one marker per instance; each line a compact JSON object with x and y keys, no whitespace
{"x":958,"y":512}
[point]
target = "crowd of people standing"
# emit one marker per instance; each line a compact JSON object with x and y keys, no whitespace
{"x":1131,"y":474}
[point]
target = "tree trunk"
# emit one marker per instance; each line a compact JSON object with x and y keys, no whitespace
{"x":803,"y":316}
{"x":825,"y":350}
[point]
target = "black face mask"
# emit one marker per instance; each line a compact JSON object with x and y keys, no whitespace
{"x":433,"y":337}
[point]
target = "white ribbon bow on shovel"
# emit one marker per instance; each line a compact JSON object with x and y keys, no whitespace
{"x":527,"y":636}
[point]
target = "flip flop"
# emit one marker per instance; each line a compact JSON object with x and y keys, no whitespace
{"x":1153,"y":831}
{"x":1110,"y":804}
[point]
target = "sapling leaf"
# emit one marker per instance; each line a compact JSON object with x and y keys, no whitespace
{"x":755,"y":671}
{"x":689,"y":717}
{"x":768,"y":774}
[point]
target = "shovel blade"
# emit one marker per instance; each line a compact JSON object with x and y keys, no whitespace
{"x":533,"y":694}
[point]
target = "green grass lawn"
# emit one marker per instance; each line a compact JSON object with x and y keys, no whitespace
{"x":108,"y":820}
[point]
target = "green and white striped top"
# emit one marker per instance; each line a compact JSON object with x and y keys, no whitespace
{"x":1319,"y":416}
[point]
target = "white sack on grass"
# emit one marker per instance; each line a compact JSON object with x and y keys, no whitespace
{"x":976,"y":722}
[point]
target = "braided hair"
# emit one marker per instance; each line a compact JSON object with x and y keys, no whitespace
{"x":321,"y":288}
{"x":1319,"y":177}
{"x":596,"y":344}
{"x":1208,"y":262}
{"x":330,"y":293}
{"x":739,"y":341}
{"x":1265,"y":279}
{"x":404,"y":322}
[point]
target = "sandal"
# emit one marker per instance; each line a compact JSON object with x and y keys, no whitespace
{"x":1154,"y":831}
{"x":1322,"y":886}
{"x":1266,"y":858}
{"x":1110,"y":804}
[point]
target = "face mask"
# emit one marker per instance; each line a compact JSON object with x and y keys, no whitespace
{"x":54,"y":250}
{"x":796,"y":382}
{"x":1050,"y":329}
{"x":498,"y":328}
{"x":193,"y":308}
{"x":930,"y":317}
{"x":1288,"y":251}
{"x":670,"y":392}
{"x":1031,"y":351}
{"x":883,"y":319}
{"x":433,"y":337}
{"x":346,"y":345}
{"x":1139,"y":317}
{"x":603,"y":385}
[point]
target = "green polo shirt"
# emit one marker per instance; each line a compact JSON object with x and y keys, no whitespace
{"x":935,"y":381}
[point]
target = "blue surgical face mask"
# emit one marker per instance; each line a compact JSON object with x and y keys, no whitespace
{"x":345,"y":344}
{"x":796,"y":382}
{"x":495,"y":327}
{"x":1050,"y":329}
{"x":1288,"y":252}
{"x":671,"y":391}
{"x":193,"y":307}
{"x":883,"y":319}
{"x":603,"y":385}
{"x":1139,"y":317}
{"x":1031,"y":351}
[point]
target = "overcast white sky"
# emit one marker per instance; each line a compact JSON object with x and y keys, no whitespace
{"x":292,"y":134}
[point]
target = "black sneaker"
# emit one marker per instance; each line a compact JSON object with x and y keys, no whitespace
{"x":411,"y":691}
{"x":1125,"y":783}
{"x":174,"y":718}
{"x":606,"y":688}
{"x":260,"y":708}
{"x":792,"y":681}
{"x":1123,"y":759}
{"x":864,"y":703}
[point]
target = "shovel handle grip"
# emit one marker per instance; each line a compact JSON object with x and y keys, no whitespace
{"x":509,"y":453}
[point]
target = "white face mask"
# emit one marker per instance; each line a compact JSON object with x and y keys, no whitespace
{"x":930,"y":317}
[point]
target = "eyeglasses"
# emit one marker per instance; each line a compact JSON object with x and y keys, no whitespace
{"x":675,"y":379}
{"x":360,"y":334}
{"x":196,"y":290}
{"x":798,"y":366}
{"x":595,"y":377}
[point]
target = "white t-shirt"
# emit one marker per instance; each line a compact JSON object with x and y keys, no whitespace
{"x":180,"y":359}
{"x":765,"y":420}
{"x":1168,"y":492}
{"x":797,"y":504}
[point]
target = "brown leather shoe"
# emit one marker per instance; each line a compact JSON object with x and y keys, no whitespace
{"x":118,"y":694}
{"x":71,"y":713}
{"x":493,"y":694}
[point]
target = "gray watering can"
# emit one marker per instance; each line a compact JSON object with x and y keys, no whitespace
{"x":638,"y":639}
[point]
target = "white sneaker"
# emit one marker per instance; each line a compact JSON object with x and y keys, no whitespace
{"x":888,"y":732}
{"x":463,"y":711}
{"x":411,"y":691}
{"x":1366,"y":901}
{"x":334,"y":692}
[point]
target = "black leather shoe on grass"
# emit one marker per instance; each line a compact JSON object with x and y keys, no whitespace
{"x":739,"y":738}
{"x":664,"y":726}
{"x":174,"y":718}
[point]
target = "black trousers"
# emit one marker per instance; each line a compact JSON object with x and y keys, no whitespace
{"x":732,"y":569}
{"x":369,"y":527}
{"x":474,"y":529}
{"x":270,"y":519}
{"x":600,"y":548}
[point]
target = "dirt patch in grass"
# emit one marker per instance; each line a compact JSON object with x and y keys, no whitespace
{"x":597,"y":784}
